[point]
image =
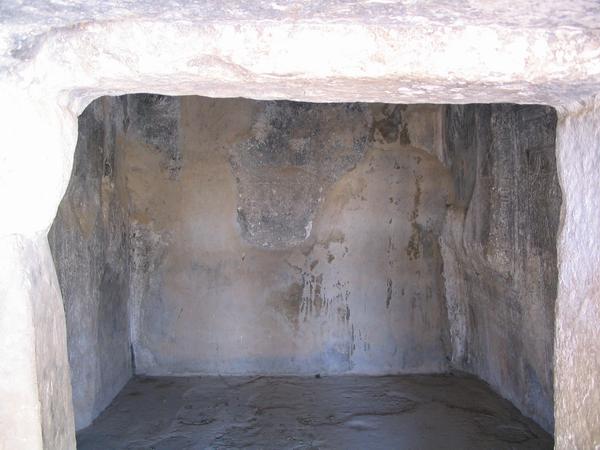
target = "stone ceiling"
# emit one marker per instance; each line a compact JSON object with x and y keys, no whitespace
{"x":405,"y":52}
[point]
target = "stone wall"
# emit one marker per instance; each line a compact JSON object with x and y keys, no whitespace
{"x":500,"y":249}
{"x":577,"y":354}
{"x":282,"y":237}
{"x":90,"y":246}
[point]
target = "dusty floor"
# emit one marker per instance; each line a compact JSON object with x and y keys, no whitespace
{"x":344,"y":412}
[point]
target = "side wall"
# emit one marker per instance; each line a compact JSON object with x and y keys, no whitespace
{"x":282,"y":237}
{"x":36,"y":410}
{"x":500,"y":249}
{"x":577,"y":355}
{"x":89,"y":242}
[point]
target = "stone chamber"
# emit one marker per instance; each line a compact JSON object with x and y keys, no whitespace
{"x":495,"y":338}
{"x":258,"y":244}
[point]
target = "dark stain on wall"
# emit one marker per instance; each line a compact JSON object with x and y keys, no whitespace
{"x":288,"y":302}
{"x":154,"y":120}
{"x":392,"y":127}
{"x":295,"y":151}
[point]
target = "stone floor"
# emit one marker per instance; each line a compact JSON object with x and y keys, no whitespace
{"x":342,"y":412}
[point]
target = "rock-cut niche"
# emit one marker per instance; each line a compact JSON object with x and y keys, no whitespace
{"x":238,"y":237}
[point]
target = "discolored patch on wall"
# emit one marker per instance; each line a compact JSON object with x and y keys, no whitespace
{"x":413,"y":248}
{"x":154,"y":120}
{"x":391,"y":127}
{"x":293,"y":153}
{"x":288,"y":303}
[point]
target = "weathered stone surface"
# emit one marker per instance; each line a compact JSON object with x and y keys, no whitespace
{"x":90,"y":247}
{"x":349,"y":412}
{"x":20,"y":408}
{"x":295,"y":151}
{"x":353,"y":284}
{"x":36,"y":406}
{"x":56,"y":406}
{"x":154,"y":120}
{"x":427,"y":51}
{"x":577,"y":352}
{"x":500,"y":249}
{"x":37,"y":411}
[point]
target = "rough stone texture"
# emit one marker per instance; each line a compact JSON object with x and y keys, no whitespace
{"x":57,"y":57}
{"x":38,"y":412}
{"x":89,"y":240}
{"x":577,"y":349}
{"x":397,"y":52}
{"x":36,"y":406}
{"x":349,"y":412}
{"x":50,"y":332}
{"x":249,"y":256}
{"x":294,"y":152}
{"x":18,"y":374}
{"x":500,"y":249}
